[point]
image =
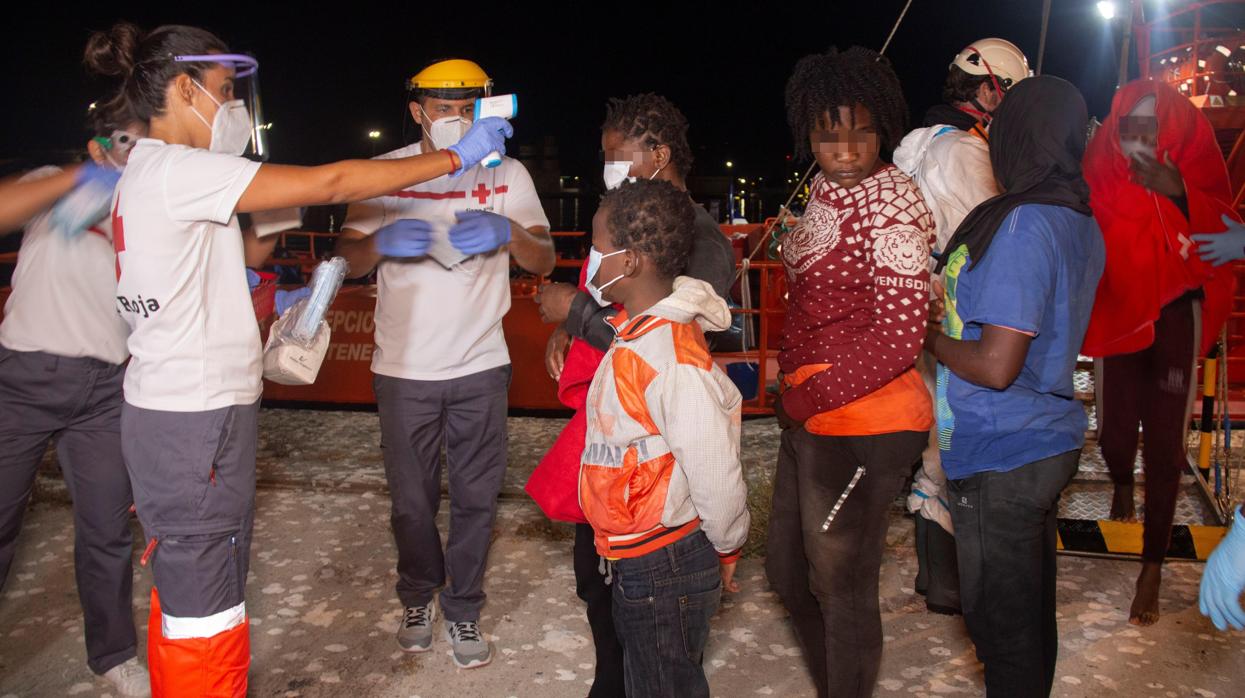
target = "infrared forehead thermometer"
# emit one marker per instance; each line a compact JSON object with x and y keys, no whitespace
{"x":505,"y":106}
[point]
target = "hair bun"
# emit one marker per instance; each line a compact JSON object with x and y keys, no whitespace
{"x":112,"y":52}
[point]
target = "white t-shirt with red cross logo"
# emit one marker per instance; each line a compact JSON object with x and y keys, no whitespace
{"x":181,"y":279}
{"x":62,"y":299}
{"x":434,"y":323}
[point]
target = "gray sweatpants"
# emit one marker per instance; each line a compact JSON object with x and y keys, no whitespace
{"x":76,"y":401}
{"x":467,"y":416}
{"x":194,"y":491}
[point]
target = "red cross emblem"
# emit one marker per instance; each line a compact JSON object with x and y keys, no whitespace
{"x":481,"y":193}
{"x":118,"y":234}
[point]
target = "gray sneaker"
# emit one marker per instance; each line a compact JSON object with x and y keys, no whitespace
{"x":415,"y":631}
{"x":471,"y":650}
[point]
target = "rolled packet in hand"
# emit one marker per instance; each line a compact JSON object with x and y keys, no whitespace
{"x":441,"y":249}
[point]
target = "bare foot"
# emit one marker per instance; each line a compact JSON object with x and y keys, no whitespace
{"x":1122,"y":507}
{"x":1145,"y":610}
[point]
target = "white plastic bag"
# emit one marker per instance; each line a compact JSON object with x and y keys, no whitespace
{"x":299,"y":340}
{"x":291,"y":362}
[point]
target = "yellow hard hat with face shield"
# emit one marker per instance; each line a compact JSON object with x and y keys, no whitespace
{"x":455,"y":78}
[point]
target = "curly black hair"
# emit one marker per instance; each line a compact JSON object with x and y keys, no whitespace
{"x":653,"y":218}
{"x":657,"y":120}
{"x":823,"y":82}
{"x":961,"y":86}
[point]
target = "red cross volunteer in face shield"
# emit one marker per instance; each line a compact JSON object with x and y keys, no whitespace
{"x":442,"y":369}
{"x":192,"y":387}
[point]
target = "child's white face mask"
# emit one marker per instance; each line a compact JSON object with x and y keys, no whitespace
{"x":594,"y":266}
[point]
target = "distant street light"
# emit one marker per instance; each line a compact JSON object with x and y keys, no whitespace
{"x":729,"y":164}
{"x":1106,"y":9}
{"x":373,"y":134}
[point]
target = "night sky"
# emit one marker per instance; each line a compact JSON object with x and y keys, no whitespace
{"x":329,"y":77}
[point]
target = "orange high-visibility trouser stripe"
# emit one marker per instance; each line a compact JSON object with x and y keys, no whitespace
{"x":207,"y":667}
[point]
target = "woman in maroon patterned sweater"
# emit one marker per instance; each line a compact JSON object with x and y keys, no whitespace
{"x":854,"y":409}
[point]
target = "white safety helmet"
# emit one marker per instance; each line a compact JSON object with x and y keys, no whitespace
{"x":1002,"y":60}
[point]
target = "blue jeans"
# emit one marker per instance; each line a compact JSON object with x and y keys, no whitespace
{"x":662,"y":605}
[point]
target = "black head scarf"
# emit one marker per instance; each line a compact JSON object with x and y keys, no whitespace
{"x":1037,"y":140}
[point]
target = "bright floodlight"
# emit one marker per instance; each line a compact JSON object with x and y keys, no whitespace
{"x":1106,"y":9}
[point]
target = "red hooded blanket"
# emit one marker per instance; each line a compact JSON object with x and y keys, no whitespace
{"x":1151,"y":259}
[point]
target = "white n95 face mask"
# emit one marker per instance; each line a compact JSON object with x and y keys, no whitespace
{"x":231,"y":127}
{"x":616,"y":172}
{"x":447,"y":131}
{"x":594,"y":266}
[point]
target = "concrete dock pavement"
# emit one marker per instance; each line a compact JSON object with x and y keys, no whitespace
{"x":320,"y":595}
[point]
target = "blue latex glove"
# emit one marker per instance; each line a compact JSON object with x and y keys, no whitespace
{"x":286,"y":299}
{"x":477,"y":232}
{"x":485,"y":136}
{"x":252,"y":279}
{"x":1224,"y":579}
{"x":409,"y":237}
{"x":87,"y":203}
{"x":1220,"y":248}
{"x":90,"y":173}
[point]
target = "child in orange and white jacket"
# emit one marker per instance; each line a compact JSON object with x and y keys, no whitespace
{"x":660,"y":479}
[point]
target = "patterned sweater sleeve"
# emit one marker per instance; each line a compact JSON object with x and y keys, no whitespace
{"x":899,"y":241}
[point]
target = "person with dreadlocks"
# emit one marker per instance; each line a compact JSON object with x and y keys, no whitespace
{"x":660,"y":479}
{"x":854,"y":409}
{"x":1020,"y":277}
{"x":644,"y":137}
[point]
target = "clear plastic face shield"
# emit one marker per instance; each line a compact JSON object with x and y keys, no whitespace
{"x":445,"y":115}
{"x":246,"y":91}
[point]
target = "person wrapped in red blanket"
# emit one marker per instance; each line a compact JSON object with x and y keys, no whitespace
{"x":1157,"y":178}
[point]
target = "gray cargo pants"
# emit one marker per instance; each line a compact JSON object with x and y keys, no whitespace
{"x":76,"y":401}
{"x":194,"y":490}
{"x":467,"y":416}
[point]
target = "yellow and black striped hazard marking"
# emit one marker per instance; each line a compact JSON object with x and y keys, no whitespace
{"x":1118,"y":538}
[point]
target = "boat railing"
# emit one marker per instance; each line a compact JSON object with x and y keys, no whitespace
{"x":761,"y":300}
